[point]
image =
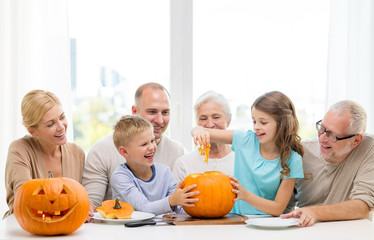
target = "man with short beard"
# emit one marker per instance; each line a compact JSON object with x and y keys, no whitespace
{"x":338,"y":168}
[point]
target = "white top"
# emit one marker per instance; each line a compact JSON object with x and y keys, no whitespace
{"x":193,"y":162}
{"x":168,"y":150}
{"x":104,"y":158}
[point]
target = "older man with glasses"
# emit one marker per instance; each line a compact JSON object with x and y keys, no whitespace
{"x":338,"y":167}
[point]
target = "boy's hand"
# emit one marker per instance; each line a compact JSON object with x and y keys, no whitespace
{"x":182,"y":197}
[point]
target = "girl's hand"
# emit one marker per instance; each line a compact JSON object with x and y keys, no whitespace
{"x":200,"y":136}
{"x":238,"y":189}
{"x":182,"y":197}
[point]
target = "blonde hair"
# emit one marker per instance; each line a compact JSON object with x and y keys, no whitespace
{"x":35,"y":104}
{"x":127,"y":127}
{"x":282,"y":109}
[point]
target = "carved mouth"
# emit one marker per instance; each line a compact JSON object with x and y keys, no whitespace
{"x":50,"y":217}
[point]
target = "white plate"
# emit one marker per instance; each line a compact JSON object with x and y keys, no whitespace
{"x":273,"y":222}
{"x":135,"y":217}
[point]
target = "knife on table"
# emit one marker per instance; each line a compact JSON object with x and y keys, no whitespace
{"x":151,"y":222}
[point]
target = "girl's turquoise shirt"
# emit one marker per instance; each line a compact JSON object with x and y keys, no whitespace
{"x":256,"y":174}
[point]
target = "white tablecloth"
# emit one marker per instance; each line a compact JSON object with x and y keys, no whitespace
{"x":357,"y":229}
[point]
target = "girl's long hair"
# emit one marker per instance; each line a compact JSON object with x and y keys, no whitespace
{"x":282,"y":109}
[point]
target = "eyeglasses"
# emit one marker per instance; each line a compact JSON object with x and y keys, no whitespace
{"x":321,"y":129}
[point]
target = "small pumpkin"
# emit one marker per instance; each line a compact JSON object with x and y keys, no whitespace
{"x":216,"y":198}
{"x":114,"y":209}
{"x":51,"y":206}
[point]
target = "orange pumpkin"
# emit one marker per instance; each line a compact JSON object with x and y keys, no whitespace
{"x":51,"y":206}
{"x":114,"y":209}
{"x":216,"y":198}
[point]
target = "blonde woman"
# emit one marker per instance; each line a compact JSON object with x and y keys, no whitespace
{"x":45,"y":149}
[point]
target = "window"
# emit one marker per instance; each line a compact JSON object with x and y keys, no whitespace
{"x":244,"y":48}
{"x":240,"y":48}
{"x":116,"y":45}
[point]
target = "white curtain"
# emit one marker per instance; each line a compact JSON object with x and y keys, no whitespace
{"x":351,"y":55}
{"x":34,"y":54}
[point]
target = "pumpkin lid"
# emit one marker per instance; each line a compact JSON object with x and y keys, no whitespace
{"x":114,"y":209}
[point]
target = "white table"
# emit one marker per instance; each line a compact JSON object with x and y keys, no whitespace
{"x":357,"y":229}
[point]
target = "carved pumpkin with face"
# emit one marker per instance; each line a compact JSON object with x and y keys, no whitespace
{"x":51,"y":206}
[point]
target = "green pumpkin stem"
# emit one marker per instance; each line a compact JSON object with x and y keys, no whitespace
{"x":117,"y":205}
{"x":50,"y":174}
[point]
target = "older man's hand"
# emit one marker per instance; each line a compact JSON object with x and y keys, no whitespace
{"x":305,"y":214}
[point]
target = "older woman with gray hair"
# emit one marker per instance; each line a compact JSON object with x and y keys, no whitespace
{"x":212,"y":110}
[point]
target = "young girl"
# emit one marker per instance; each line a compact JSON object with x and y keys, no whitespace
{"x":267,"y":160}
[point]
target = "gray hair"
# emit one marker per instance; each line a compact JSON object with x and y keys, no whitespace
{"x":214,"y":97}
{"x":358,"y":114}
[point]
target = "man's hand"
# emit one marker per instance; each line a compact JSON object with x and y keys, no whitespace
{"x":90,"y":213}
{"x":306,"y":216}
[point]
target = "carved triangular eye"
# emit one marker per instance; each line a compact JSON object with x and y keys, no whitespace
{"x":65,"y":190}
{"x":38,"y":191}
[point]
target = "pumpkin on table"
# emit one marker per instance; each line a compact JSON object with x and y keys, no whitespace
{"x":216,"y":198}
{"x":51,"y":206}
{"x":114,"y":209}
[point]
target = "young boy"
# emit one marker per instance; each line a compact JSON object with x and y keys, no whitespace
{"x":147,"y":186}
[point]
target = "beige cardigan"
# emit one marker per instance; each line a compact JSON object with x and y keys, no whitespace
{"x":25,"y":162}
{"x":330,"y":183}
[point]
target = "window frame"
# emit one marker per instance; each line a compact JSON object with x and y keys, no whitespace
{"x":181,"y":71}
